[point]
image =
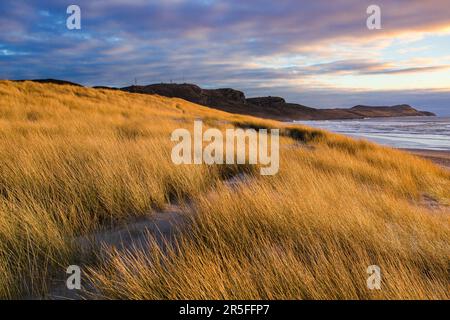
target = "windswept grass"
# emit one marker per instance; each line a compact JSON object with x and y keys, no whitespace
{"x":308,"y":233}
{"x":76,"y":160}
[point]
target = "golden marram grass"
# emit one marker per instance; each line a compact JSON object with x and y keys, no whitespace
{"x":75,"y":161}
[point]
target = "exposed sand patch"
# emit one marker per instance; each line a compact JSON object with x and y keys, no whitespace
{"x":133,"y":236}
{"x":161,"y":226}
{"x":433,"y":205}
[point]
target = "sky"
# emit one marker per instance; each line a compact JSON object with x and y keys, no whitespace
{"x":317,"y":53}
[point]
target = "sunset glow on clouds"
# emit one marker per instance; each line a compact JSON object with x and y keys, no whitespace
{"x":318,"y":53}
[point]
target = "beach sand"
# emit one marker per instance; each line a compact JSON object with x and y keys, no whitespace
{"x":441,"y":158}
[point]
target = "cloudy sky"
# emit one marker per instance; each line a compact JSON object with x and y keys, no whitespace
{"x":319,"y":53}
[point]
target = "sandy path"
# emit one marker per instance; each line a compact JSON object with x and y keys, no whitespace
{"x":162,"y":226}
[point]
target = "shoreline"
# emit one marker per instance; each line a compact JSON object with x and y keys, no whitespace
{"x":439,"y":157}
{"x":368,"y":118}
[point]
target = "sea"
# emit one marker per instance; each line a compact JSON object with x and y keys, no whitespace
{"x":428,"y":133}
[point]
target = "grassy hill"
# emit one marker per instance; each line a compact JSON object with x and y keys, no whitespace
{"x":276,"y":108}
{"x":75,"y":161}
